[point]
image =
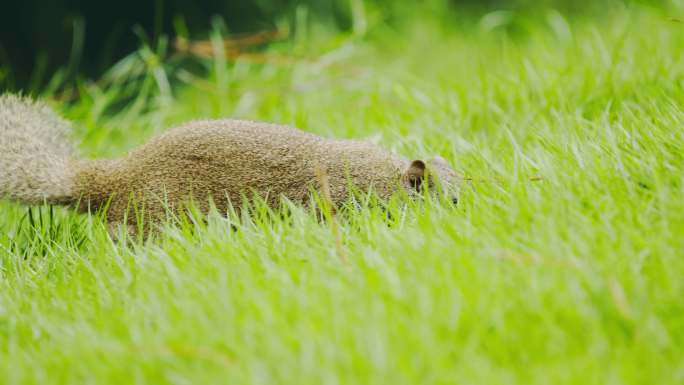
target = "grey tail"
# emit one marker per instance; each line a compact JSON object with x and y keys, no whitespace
{"x":36,"y":157}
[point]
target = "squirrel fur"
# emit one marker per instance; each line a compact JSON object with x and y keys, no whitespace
{"x":219,"y":161}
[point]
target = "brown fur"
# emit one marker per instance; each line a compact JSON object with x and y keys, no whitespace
{"x":220,"y":161}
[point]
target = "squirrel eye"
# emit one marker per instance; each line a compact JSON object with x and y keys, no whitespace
{"x":417,"y":184}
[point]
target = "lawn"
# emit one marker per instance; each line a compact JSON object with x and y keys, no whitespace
{"x":563,"y":262}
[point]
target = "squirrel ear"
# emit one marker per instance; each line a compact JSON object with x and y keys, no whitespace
{"x":416,"y":173}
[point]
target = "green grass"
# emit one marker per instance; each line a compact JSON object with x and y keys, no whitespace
{"x":563,"y":263}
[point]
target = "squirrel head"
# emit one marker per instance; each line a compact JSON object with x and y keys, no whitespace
{"x":436,"y":175}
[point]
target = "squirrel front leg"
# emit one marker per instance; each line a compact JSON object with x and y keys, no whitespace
{"x":120,"y":232}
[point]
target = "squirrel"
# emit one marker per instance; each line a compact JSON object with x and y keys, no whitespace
{"x":220,"y":161}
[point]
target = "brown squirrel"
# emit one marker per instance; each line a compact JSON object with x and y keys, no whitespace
{"x":221,"y":161}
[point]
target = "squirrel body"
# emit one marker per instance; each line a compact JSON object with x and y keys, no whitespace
{"x":219,"y":161}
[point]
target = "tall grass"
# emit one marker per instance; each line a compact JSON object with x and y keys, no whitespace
{"x":563,"y":262}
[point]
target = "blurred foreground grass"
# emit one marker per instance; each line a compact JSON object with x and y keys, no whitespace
{"x":562,"y":264}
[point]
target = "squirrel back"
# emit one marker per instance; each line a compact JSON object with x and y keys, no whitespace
{"x":227,"y":160}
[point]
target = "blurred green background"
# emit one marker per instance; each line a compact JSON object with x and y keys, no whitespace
{"x":562,"y":263}
{"x":55,"y":43}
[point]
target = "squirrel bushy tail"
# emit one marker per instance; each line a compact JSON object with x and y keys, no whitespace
{"x":36,"y":157}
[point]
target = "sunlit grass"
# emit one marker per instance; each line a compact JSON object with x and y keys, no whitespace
{"x":563,"y":262}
